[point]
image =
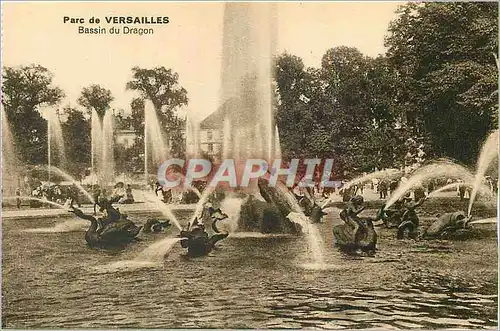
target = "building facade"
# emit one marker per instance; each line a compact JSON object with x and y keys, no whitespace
{"x":125,"y":137}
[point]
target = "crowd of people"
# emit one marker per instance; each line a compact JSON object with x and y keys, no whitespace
{"x":386,"y":187}
{"x":57,"y":193}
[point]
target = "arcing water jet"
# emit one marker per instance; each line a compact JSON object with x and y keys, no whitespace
{"x":440,"y":168}
{"x":489,"y":152}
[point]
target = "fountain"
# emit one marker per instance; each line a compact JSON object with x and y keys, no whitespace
{"x":71,"y":179}
{"x":156,"y":251}
{"x":192,"y":138}
{"x":161,"y":206}
{"x":387,"y":173}
{"x":314,"y":239}
{"x":277,"y":146}
{"x":246,"y":91}
{"x":66,"y":226}
{"x":201,"y":204}
{"x":96,"y":144}
{"x":439,"y":168}
{"x":102,"y":154}
{"x":490,"y":220}
{"x":226,"y":135}
{"x":151,"y":257}
{"x":155,"y":148}
{"x":10,"y":161}
{"x":108,"y":163}
{"x":231,"y":206}
{"x":483,"y":189}
{"x":54,"y":138}
{"x":52,"y":203}
{"x":445,"y":188}
{"x":246,"y":98}
{"x":489,"y":152}
{"x":445,"y":168}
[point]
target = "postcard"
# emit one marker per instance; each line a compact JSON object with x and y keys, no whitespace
{"x":249,"y":165}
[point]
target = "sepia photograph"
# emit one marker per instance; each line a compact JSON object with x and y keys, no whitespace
{"x":249,"y":165}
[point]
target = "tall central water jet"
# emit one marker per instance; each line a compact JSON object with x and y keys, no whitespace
{"x":247,"y":95}
{"x":246,"y":91}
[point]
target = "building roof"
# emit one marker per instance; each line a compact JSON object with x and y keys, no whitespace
{"x":234,"y":109}
{"x":216,"y":119}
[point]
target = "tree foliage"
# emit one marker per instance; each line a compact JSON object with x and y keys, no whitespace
{"x":433,"y":94}
{"x":344,"y":110}
{"x":95,"y":97}
{"x":76,"y":132}
{"x":161,"y":87}
{"x":25,"y":90}
{"x":444,"y":55}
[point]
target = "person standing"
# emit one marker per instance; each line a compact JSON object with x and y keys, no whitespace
{"x":73,"y":191}
{"x":419,"y":193}
{"x":430,"y":186}
{"x":461,"y":190}
{"x":382,"y":187}
{"x":129,"y":196}
{"x":393,"y":186}
{"x":18,"y":198}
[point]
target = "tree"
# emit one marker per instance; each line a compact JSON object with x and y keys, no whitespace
{"x":291,"y":115}
{"x":95,"y":97}
{"x":161,"y":87}
{"x":122,"y":122}
{"x":76,"y":131}
{"x":346,"y":110}
{"x":131,"y":159}
{"x":347,"y":92}
{"x":444,"y":56}
{"x":137,"y":116}
{"x":25,"y":89}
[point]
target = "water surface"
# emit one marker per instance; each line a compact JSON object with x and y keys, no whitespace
{"x":53,"y":280}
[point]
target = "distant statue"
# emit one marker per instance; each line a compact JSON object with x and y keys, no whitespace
{"x":114,"y":229}
{"x":154,"y":225}
{"x":197,"y":240}
{"x":357,"y":233}
{"x":448,"y":224}
{"x":408,"y":228}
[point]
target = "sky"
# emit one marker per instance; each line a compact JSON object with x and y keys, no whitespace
{"x":190,"y":44}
